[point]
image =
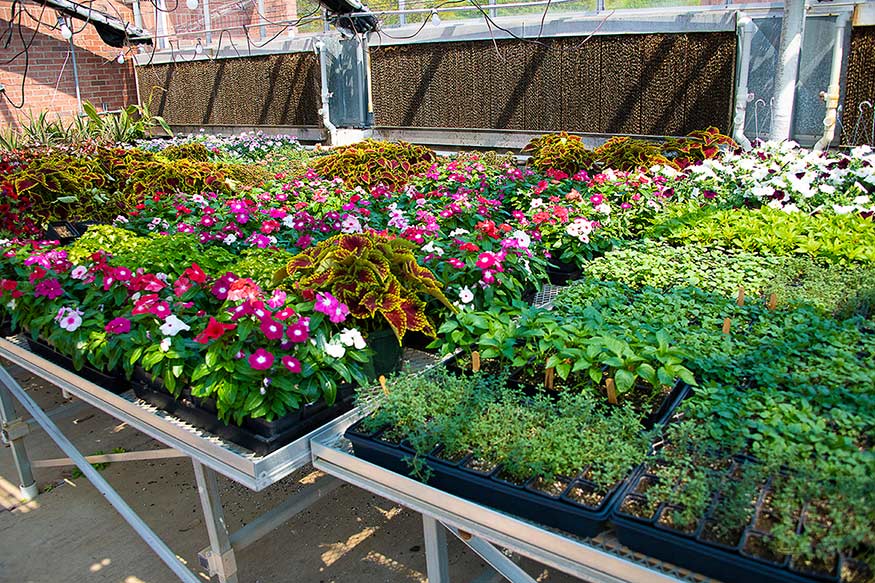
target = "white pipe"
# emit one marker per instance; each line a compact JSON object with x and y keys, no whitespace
{"x":788,"y":69}
{"x":831,"y":97}
{"x":324,"y":111}
{"x":745,"y":27}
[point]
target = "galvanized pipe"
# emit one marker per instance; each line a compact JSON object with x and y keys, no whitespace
{"x":26,"y":483}
{"x":745,"y":35}
{"x":833,"y":92}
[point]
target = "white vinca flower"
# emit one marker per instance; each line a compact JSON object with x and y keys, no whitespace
{"x":352,"y":337}
{"x":79,"y":272}
{"x":522,"y":238}
{"x":165,"y":345}
{"x":466,"y":296}
{"x":335,"y":350}
{"x":173,"y":325}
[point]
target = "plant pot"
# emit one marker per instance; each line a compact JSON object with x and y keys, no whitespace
{"x":116,"y":383}
{"x":743,"y":561}
{"x":561,"y":505}
{"x":560,"y":272}
{"x":66,"y":232}
{"x":257,"y":435}
{"x":387,"y":352}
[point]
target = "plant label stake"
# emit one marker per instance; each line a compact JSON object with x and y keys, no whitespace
{"x":612,"y":391}
{"x":773,"y":301}
{"x":475,"y":361}
{"x":548,"y":377}
{"x":740,"y":300}
{"x":383,"y":384}
{"x":726,"y":324}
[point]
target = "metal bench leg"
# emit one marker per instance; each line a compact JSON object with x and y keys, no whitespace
{"x":502,"y":564}
{"x":220,"y":561}
{"x":14,"y":430}
{"x":437,"y":565}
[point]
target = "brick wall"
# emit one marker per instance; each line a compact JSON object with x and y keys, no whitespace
{"x":48,"y":84}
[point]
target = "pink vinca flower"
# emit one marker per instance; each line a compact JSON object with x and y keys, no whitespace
{"x":118,"y":326}
{"x":291,"y":363}
{"x":261,"y":359}
{"x":299,"y":331}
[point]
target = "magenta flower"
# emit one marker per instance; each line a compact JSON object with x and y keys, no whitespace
{"x":291,"y":363}
{"x":284,"y":314}
{"x":271,"y":329}
{"x":49,"y":288}
{"x":457,"y":263}
{"x":118,"y":326}
{"x":261,"y":359}
{"x":331,"y":306}
{"x":485,"y":260}
{"x":161,"y":310}
{"x":625,"y":205}
{"x":596,"y":199}
{"x":277,"y":299}
{"x":299,"y":331}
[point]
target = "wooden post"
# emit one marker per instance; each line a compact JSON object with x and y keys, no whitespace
{"x":548,"y":377}
{"x":740,"y":300}
{"x":475,"y":361}
{"x":726,"y":325}
{"x":773,"y":301}
{"x":612,"y":391}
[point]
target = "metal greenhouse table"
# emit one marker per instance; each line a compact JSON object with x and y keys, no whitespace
{"x":601,"y":560}
{"x":210,"y":456}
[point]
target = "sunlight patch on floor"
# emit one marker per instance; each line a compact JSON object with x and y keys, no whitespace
{"x":100,"y":565}
{"x":10,"y":498}
{"x":394,"y":566}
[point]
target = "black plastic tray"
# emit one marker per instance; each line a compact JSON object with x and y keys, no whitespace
{"x":561,"y":511}
{"x":692,"y":551}
{"x":258,"y":435}
{"x":114,"y":383}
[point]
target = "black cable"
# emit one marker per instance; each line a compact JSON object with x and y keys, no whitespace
{"x":543,"y":17}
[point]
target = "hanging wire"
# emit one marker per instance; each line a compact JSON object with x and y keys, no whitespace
{"x":858,"y":124}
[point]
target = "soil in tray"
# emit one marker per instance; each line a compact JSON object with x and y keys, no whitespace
{"x":815,"y":567}
{"x":638,"y":507}
{"x":668,"y":519}
{"x":586,"y":495}
{"x":713,"y":532}
{"x":479,"y":465}
{"x":756,"y":545}
{"x":553,"y":487}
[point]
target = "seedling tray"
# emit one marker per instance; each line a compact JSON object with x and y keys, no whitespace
{"x":692,"y":550}
{"x":560,"y":509}
{"x":115,"y":383}
{"x":258,"y":435}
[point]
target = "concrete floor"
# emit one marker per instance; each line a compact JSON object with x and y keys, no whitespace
{"x":71,"y":534}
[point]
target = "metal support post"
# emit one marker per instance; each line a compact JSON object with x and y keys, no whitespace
{"x":222,"y":562}
{"x":496,"y":559}
{"x":102,"y":486}
{"x":8,"y":423}
{"x":267,"y":522}
{"x":437,"y":565}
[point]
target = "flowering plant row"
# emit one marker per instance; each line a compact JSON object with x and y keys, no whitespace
{"x":259,"y":354}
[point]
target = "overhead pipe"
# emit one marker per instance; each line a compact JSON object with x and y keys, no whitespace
{"x":832,"y":94}
{"x":788,"y":69}
{"x":325,"y":111}
{"x":746,"y":29}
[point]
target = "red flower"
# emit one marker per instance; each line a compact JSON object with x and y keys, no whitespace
{"x":214,"y":330}
{"x":146,"y":282}
{"x":195,"y":273}
{"x":469,"y":247}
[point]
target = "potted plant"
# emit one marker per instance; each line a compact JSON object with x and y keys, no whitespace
{"x":376,"y":278}
{"x":556,"y":461}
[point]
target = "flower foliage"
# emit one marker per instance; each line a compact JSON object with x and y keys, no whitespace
{"x":371,"y":274}
{"x":371,"y":162}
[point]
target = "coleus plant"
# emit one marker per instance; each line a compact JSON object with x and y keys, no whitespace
{"x":374,"y":275}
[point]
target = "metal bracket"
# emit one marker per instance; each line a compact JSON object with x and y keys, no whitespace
{"x":215,"y":564}
{"x":15,"y":429}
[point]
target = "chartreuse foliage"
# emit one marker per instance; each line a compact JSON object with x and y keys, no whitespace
{"x":373,"y":275}
{"x":843,"y":289}
{"x":373,"y":162}
{"x":834,"y":238}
